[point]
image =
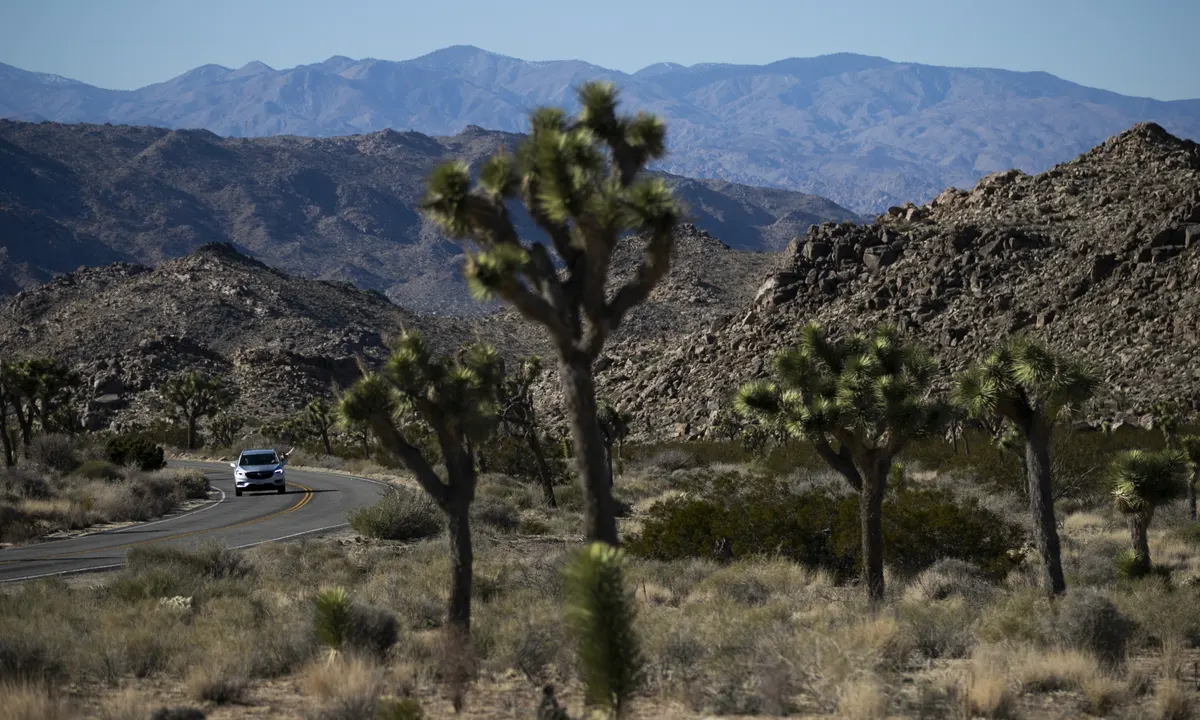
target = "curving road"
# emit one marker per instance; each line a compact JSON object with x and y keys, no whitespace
{"x":314,"y":502}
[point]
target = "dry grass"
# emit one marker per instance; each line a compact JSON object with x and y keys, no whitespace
{"x":864,"y":699}
{"x":32,"y":702}
{"x":347,"y":688}
{"x":128,"y":704}
{"x":1173,"y":701}
{"x":1051,"y":671}
{"x":215,"y":682}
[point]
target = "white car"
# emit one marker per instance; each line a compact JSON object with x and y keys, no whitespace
{"x":258,"y":470}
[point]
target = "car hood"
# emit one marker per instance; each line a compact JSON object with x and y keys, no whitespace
{"x":259,"y":468}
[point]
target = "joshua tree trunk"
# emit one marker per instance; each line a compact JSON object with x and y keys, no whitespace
{"x":1191,"y":494}
{"x":535,"y":445}
{"x":10,"y":455}
{"x":590,"y":456}
{"x":1041,"y":503}
{"x":461,"y":559}
{"x":1139,"y":526}
{"x":325,"y":441}
{"x":870,"y":510}
{"x":191,"y":431}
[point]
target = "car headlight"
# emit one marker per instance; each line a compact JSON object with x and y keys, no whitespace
{"x":240,"y":473}
{"x":279,"y":471}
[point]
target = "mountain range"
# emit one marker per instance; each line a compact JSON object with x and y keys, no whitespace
{"x":864,"y":131}
{"x":342,"y":208}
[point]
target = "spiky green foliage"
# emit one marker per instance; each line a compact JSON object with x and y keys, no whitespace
{"x":868,"y":393}
{"x":1022,"y":379}
{"x":331,"y":617}
{"x":600,"y":614}
{"x":1144,"y":480}
{"x":192,"y":396}
{"x":580,"y":179}
{"x":224,"y":429}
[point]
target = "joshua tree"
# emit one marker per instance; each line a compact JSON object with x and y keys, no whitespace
{"x":515,"y":396}
{"x":614,"y":427}
{"x":859,"y":401}
{"x":1029,"y":388}
{"x":193,"y":396}
{"x":38,"y":392}
{"x":580,"y":182}
{"x":455,"y":397}
{"x":1167,"y":416}
{"x":1190,"y":445}
{"x":224,"y":429}
{"x":1143,"y":481}
{"x":319,"y":418}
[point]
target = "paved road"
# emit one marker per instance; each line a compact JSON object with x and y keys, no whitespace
{"x":314,"y":502}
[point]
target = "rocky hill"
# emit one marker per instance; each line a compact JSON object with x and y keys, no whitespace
{"x":336,"y":208}
{"x":282,"y":340}
{"x":1099,"y":256}
{"x":864,"y":131}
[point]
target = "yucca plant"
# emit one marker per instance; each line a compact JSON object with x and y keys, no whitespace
{"x":318,"y":418}
{"x":1167,"y":416}
{"x":600,"y":615}
{"x":455,"y":397}
{"x":581,"y":181}
{"x":1028,"y":389}
{"x":859,"y":401}
{"x":332,"y":618}
{"x":1190,"y":444}
{"x":192,"y":396}
{"x":1143,"y":481}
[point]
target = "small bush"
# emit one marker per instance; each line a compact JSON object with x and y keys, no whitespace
{"x":496,"y":512}
{"x":190,"y":485}
{"x":55,"y":452}
{"x":1087,"y":620}
{"x":25,"y":482}
{"x":819,"y":528}
{"x":671,"y":459}
{"x":98,"y":470}
{"x":342,"y":624}
{"x":213,"y":683}
{"x":402,"y":514}
{"x":136,"y":450}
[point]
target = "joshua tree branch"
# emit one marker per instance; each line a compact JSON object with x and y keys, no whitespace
{"x":393,"y":440}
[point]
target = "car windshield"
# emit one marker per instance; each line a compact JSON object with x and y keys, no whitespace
{"x":258,"y":459}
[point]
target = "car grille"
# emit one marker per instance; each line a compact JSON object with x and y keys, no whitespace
{"x":261,"y":475}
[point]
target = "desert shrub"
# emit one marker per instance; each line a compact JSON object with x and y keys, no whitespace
{"x":190,"y":485}
{"x":135,"y":449}
{"x":950,"y":578}
{"x":817,"y":528}
{"x":55,"y":451}
{"x":496,"y":512}
{"x":98,"y":470}
{"x":1088,"y":620}
{"x":155,"y":572}
{"x":408,"y":708}
{"x":671,"y":459}
{"x":25,"y":482}
{"x":216,"y":684}
{"x":24,"y":657}
{"x":401,"y":514}
{"x":135,"y":500}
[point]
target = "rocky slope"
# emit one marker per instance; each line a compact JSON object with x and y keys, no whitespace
{"x":864,"y":131}
{"x":337,"y":209}
{"x":1099,"y":256}
{"x":281,"y":340}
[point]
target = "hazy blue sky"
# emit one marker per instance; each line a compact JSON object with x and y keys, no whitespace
{"x":1137,"y":47}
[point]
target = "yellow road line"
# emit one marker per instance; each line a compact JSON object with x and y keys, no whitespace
{"x":308,"y":495}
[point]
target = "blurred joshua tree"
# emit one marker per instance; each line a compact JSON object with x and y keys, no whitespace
{"x":517,"y":412}
{"x":1028,"y":388}
{"x":1144,"y":481}
{"x":455,"y":397}
{"x":580,"y":180}
{"x":859,"y":401}
{"x":614,"y":428}
{"x":318,"y":418}
{"x":1168,"y":416}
